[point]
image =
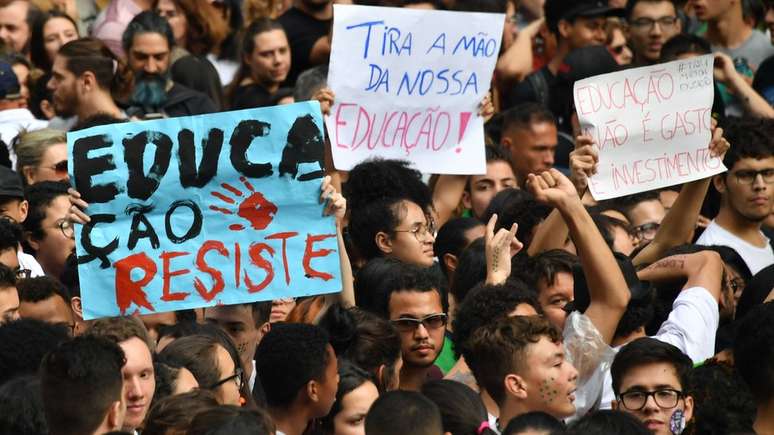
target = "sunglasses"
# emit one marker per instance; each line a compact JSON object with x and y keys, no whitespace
{"x":431,"y":321}
{"x":59,"y":168}
{"x":617,"y":49}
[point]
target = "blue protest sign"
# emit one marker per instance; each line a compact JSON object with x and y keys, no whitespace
{"x":203,"y":210}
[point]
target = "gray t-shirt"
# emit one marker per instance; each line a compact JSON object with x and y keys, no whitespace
{"x":755,"y":50}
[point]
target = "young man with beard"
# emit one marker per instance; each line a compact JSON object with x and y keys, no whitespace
{"x":746,"y":192}
{"x":411,"y":300}
{"x":651,"y":24}
{"x":148,"y":42}
{"x":85,"y":76}
{"x":138,"y":374}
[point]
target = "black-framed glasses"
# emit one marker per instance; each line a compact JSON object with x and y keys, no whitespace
{"x":237,"y":377}
{"x":745,"y":176}
{"x":645,"y":23}
{"x":431,"y":321}
{"x":420,"y":232}
{"x":666,"y":398}
{"x":67,"y":228}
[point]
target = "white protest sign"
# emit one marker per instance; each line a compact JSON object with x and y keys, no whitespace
{"x":408,"y":84}
{"x":651,"y":124}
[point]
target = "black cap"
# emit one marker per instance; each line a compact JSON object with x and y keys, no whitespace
{"x":10,"y":183}
{"x":569,"y":10}
{"x":9,"y":84}
{"x":582,"y":297}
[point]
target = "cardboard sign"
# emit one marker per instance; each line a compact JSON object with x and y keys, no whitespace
{"x":652,"y":126}
{"x":203,"y":210}
{"x":408,"y":84}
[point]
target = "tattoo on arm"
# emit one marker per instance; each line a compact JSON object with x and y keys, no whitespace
{"x":668,"y":263}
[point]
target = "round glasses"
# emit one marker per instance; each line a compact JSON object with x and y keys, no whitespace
{"x":421,"y":232}
{"x":67,"y":228}
{"x":666,"y":398}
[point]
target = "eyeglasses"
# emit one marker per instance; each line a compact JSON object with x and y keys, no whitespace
{"x":431,"y":321}
{"x":67,"y":228}
{"x":59,"y":168}
{"x":748,"y":177}
{"x":420,"y":230}
{"x":23,"y":273}
{"x":237,"y":377}
{"x":666,"y":398}
{"x":646,"y":231}
{"x":645,"y":23}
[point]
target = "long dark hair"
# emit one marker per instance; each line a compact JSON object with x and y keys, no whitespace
{"x":38,"y":44}
{"x":247,"y":46}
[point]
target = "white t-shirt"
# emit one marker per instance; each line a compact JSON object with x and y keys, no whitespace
{"x":755,"y":257}
{"x":691,"y":327}
{"x":27,"y":261}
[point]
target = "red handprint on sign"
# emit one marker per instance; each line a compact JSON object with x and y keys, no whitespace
{"x":256,"y":209}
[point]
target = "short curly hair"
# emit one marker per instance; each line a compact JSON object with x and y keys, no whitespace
{"x":288,"y":357}
{"x":722,"y":402}
{"x":24,"y":343}
{"x":485,"y":304}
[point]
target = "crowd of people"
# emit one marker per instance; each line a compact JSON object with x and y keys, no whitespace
{"x":509,"y":302}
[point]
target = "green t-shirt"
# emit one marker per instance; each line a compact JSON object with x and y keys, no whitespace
{"x":446,"y":359}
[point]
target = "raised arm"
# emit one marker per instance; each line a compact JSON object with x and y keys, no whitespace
{"x":516,"y":63}
{"x":753,"y":103}
{"x":679,"y":223}
{"x":609,"y":293}
{"x":701,"y":269}
{"x":552,"y":232}
{"x":336,"y":205}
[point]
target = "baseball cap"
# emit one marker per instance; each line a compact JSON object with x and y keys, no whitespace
{"x":10,"y":183}
{"x":556,"y":10}
{"x":9,"y":83}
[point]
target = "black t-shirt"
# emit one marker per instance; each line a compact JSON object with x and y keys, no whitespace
{"x":303,"y":31}
{"x":249,"y":96}
{"x":182,"y":101}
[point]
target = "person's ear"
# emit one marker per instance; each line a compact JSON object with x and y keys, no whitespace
{"x":380,"y":375}
{"x":87,"y":81}
{"x":564,"y":27}
{"x":466,"y":201}
{"x":75,"y":304}
{"x":24,"y":208}
{"x":263,"y":330}
{"x":31,"y":241}
{"x":383,"y":242}
{"x":614,"y":405}
{"x":450,"y":260}
{"x":313,"y":391}
{"x":719,"y":181}
{"x":115,"y":416}
{"x":515,"y":386}
{"x":688,"y":411}
{"x":28,"y":172}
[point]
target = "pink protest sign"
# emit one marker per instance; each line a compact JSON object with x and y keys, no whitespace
{"x":652,"y":126}
{"x":408,"y":84}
